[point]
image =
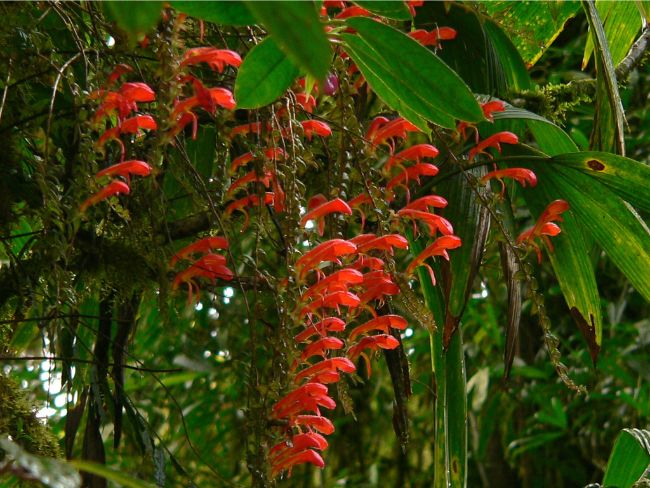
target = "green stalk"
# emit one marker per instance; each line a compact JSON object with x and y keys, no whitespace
{"x":450,"y":405}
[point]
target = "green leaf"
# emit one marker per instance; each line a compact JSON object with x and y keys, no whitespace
{"x":298,"y":31}
{"x":613,"y":223}
{"x":621,"y":21}
{"x":609,"y":116}
{"x":421,"y":70}
{"x":532,"y":26}
{"x":391,"y":9}
{"x":551,"y":139}
{"x":511,"y":64}
{"x":109,"y":474}
{"x":136,"y":18}
{"x":229,"y":12}
{"x":629,"y":459}
{"x":625,"y":177}
{"x":391,"y":89}
{"x":264,"y":76}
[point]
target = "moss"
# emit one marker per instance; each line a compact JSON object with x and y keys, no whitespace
{"x":18,"y":420}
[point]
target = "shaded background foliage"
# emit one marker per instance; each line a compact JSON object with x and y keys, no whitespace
{"x":187,"y":392}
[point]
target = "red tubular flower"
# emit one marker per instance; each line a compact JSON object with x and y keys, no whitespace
{"x":204,"y":245}
{"x":378,"y":292}
{"x":125,"y":169}
{"x":217,"y":59}
{"x":381,"y":341}
{"x":522,"y":175}
{"x":494,"y":141}
{"x":382,"y":323}
{"x":272,"y":153}
{"x":315,"y":422}
{"x":433,"y":222}
{"x":355,"y":204}
{"x":318,"y":213}
{"x":544,"y":227}
{"x":411,"y":4}
{"x":210,"y":266}
{"x":368,"y":262}
{"x":427,"y":201}
{"x":438,"y":248}
{"x":249,"y":201}
{"x":299,"y":441}
{"x":245,"y":129}
{"x":317,"y":127}
{"x":117,"y":72}
{"x":339,"y":280}
{"x":328,"y":324}
{"x":433,"y":37}
{"x":493,"y":106}
{"x":332,"y":364}
{"x":384,"y":243}
{"x":115,"y":187}
{"x":375,"y":125}
{"x":395,"y":128}
{"x":304,"y":394}
{"x":306,"y":101}
{"x":130,"y":126}
{"x":332,"y":300}
{"x":354,"y":11}
{"x":327,"y":251}
{"x":137,"y":92}
{"x":413,"y":153}
{"x":411,"y":173}
{"x":306,"y":456}
{"x":320,"y":347}
{"x":249,"y":177}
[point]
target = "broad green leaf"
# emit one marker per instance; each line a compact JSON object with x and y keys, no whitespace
{"x":109,"y":474}
{"x":627,"y":178}
{"x":570,"y":257}
{"x":391,"y":89}
{"x":622,"y":22}
{"x":609,"y":116}
{"x":629,"y":459}
{"x":532,"y":26}
{"x":613,"y":223}
{"x":298,"y":31}
{"x":496,"y":66}
{"x":392,"y":9}
{"x":264,"y":76}
{"x":551,"y":139}
{"x":421,"y":69}
{"x":229,"y":12}
{"x":136,"y":18}
{"x":512,"y":66}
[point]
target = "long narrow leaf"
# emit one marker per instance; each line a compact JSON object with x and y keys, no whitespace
{"x":629,"y":459}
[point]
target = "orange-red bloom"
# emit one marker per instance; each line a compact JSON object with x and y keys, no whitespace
{"x":328,"y":324}
{"x":433,"y":37}
{"x":327,"y":251}
{"x":413,"y":153}
{"x":317,"y":127}
{"x":115,"y":187}
{"x":438,"y":248}
{"x":522,"y":175}
{"x":318,"y":213}
{"x":204,"y":245}
{"x":494,"y":141}
{"x":382,"y":323}
{"x":544,"y":227}
{"x":125,"y":169}
{"x":217,"y":59}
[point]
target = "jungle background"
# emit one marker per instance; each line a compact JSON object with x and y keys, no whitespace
{"x":103,"y":360}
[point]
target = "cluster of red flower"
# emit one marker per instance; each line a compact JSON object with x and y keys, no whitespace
{"x":122,"y":101}
{"x":210,"y":265}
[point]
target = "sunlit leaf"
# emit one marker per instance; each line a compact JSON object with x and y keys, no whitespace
{"x":298,"y":31}
{"x":264,"y":76}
